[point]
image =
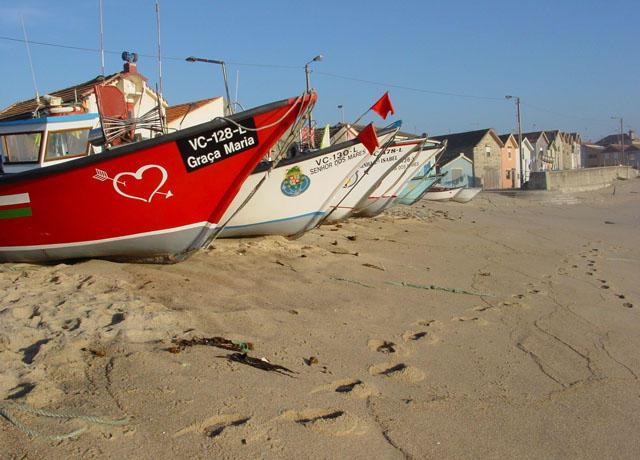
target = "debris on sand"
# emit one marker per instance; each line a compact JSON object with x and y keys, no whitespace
{"x":259,"y":363}
{"x":219,"y":342}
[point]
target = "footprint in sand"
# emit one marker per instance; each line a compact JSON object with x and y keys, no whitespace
{"x":354,"y":388}
{"x":333,"y":422}
{"x":414,"y":336}
{"x":382,"y":346}
{"x":627,"y":305}
{"x":397,"y":371}
{"x":215,"y":426}
{"x":426,"y":322}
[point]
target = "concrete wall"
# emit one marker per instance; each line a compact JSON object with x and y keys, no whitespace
{"x":579,"y":180}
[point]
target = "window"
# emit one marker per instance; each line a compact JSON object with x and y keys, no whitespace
{"x":71,"y":143}
{"x":487,"y":150}
{"x":456,"y":175}
{"x":508,"y":174}
{"x":509,"y":152}
{"x":21,"y":148}
{"x":3,"y":153}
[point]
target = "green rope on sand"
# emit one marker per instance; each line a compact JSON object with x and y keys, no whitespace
{"x":6,"y":407}
{"x":437,"y":288}
{"x":351,"y":281}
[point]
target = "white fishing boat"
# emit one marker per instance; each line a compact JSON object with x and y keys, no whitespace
{"x":466,"y":194}
{"x":294,"y":196}
{"x":368,"y":177}
{"x":386,"y":193}
{"x":441,"y":193}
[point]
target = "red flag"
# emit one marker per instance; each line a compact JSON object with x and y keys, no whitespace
{"x":384,"y":106}
{"x":369,"y":138}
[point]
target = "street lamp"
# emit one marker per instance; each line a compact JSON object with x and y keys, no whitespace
{"x":624,"y":161}
{"x":307,"y":71}
{"x":341,"y":107}
{"x":519,"y":137}
{"x":224,"y":75}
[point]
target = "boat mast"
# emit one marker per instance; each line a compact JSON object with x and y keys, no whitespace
{"x":33,"y":73}
{"x":101,"y":40}
{"x":160,"y":98}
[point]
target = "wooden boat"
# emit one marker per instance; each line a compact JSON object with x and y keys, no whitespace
{"x":466,"y":194}
{"x":387,"y":192}
{"x":416,"y":188}
{"x":439,"y":193}
{"x":153,"y":200}
{"x":367,"y":178}
{"x":295,"y":195}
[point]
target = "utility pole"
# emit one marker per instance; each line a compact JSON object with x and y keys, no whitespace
{"x":624,"y":160}
{"x":517,"y":98}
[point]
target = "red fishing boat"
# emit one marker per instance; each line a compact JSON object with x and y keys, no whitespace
{"x":154,"y":200}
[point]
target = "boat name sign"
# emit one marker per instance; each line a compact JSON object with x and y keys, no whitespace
{"x":337,"y":158}
{"x":210,"y":147}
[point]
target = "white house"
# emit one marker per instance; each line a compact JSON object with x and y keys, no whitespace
{"x":193,"y":113}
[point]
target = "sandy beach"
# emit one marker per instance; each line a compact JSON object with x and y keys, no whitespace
{"x":502,"y":328}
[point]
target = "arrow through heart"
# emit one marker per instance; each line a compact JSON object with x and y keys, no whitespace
{"x":141,"y":187}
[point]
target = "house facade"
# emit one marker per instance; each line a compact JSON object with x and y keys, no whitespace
{"x":458,"y":172}
{"x":193,"y":113}
{"x":483,"y":148}
{"x":540,"y":161}
{"x":528,"y":154}
{"x":608,"y":150}
{"x":510,"y":171}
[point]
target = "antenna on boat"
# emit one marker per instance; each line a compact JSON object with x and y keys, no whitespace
{"x":101,"y":40}
{"x":237,"y":84}
{"x":160,"y":98}
{"x":33,"y":73}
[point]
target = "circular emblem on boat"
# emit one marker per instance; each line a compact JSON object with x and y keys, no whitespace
{"x":351,"y":181}
{"x":295,"y":182}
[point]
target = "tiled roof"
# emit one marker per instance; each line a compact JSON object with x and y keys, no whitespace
{"x":25,"y":109}
{"x":505,"y":138}
{"x":614,"y":139}
{"x":463,"y":142}
{"x":533,"y":136}
{"x":176,"y":112}
{"x":551,"y":135}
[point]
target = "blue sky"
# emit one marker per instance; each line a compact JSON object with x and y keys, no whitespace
{"x":574,"y":63}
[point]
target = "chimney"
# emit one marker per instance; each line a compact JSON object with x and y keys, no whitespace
{"x":130,"y":67}
{"x":130,"y":60}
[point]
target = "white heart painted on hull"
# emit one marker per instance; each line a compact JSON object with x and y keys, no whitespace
{"x":138,"y":176}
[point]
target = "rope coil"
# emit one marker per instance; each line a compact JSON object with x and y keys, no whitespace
{"x":6,"y":407}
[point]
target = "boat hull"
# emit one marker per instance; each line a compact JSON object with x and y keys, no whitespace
{"x":362,"y":182}
{"x":386,"y":194}
{"x":416,"y":188}
{"x":466,"y":194}
{"x":442,"y":195}
{"x":295,"y":195}
{"x":155,"y":200}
